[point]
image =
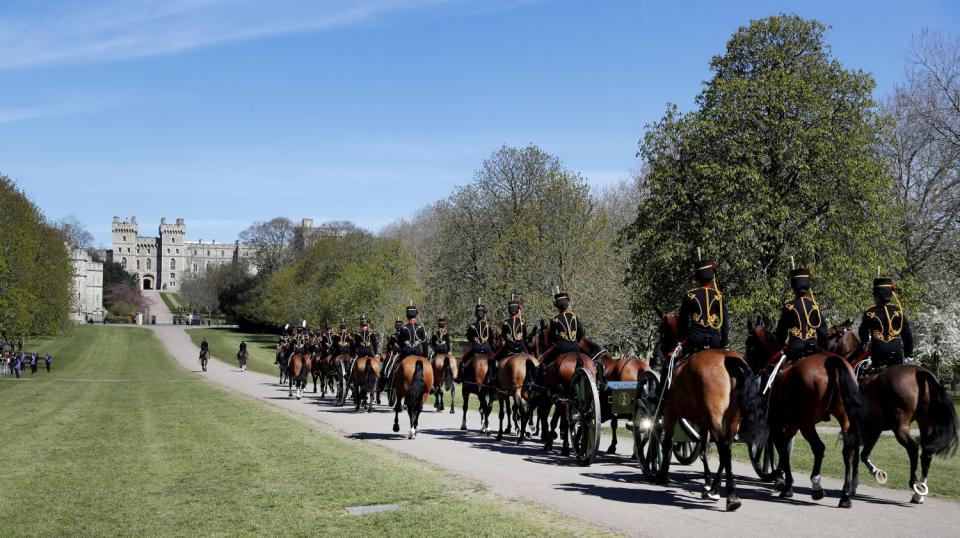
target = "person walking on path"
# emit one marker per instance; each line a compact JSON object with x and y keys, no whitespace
{"x":48,"y":361}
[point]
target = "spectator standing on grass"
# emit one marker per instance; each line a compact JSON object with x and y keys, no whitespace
{"x":33,"y":363}
{"x":17,"y":361}
{"x":48,"y":361}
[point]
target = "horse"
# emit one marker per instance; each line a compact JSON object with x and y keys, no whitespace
{"x":478,"y":378}
{"x":242,"y":357}
{"x":898,"y":396}
{"x":625,"y":369}
{"x":515,"y":376}
{"x":716,"y":390}
{"x":444,"y":370}
{"x":281,"y":360}
{"x":317,"y":370}
{"x":341,"y":369}
{"x":412,"y":383}
{"x":809,"y":391}
{"x":204,"y":357}
{"x":298,"y":364}
{"x":366,"y":372}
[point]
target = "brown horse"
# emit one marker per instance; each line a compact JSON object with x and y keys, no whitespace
{"x":554,"y":394}
{"x":478,"y":378}
{"x":340,"y":366}
{"x":204,"y":359}
{"x":298,"y":366}
{"x":412,"y":383}
{"x":612,"y":369}
{"x":283,"y":354}
{"x":515,"y":376}
{"x":809,"y":391}
{"x":715,"y":390}
{"x":444,"y":370}
{"x":366,"y":372}
{"x":898,"y":396}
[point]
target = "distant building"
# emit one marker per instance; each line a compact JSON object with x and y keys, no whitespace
{"x":87,"y":304}
{"x":163,"y":262}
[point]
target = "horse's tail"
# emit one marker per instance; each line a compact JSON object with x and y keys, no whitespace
{"x":414,"y":397}
{"x":371,"y":380}
{"x":853,"y":402}
{"x":447,"y":374}
{"x":753,"y":423}
{"x":941,"y":415}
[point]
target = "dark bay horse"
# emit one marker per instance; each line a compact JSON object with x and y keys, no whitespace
{"x":283,"y":352}
{"x":898,"y":396}
{"x":366,"y":372}
{"x":204,"y":359}
{"x":412,"y":383}
{"x":613,"y":369}
{"x":714,"y":389}
{"x":444,"y":370}
{"x":298,"y":366}
{"x":478,"y":378}
{"x":804,"y":393}
{"x":515,"y":376}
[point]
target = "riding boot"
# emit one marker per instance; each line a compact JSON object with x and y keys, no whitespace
{"x":463,"y":366}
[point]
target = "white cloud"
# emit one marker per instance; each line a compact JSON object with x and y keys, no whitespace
{"x":120,"y":29}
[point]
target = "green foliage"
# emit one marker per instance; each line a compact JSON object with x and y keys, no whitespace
{"x":777,"y":160}
{"x":337,"y":278}
{"x":524,"y":226}
{"x":36,"y":275}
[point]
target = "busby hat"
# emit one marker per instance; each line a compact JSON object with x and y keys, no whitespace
{"x":480,"y":309}
{"x":343,"y":324}
{"x":561,"y":299}
{"x":800,"y":279}
{"x":363,"y":321}
{"x":884,"y":287}
{"x":704,"y":270}
{"x":412,"y":312}
{"x":514,"y":306}
{"x":441,"y":320}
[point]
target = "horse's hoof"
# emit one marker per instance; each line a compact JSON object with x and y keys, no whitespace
{"x":733,"y":502}
{"x":880,"y":476}
{"x":412,"y":434}
{"x":463,"y":427}
{"x":661,"y":479}
{"x":786,"y":493}
{"x":920,"y":488}
{"x":396,"y":428}
{"x":710,"y":495}
{"x":845,"y":502}
{"x":817,"y":494}
{"x":612,"y":449}
{"x":554,"y":436}
{"x":779,"y":484}
{"x":917,"y":498}
{"x":499,"y":437}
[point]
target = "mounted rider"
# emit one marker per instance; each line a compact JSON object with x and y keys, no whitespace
{"x":703,"y":312}
{"x":480,"y":337}
{"x":326,"y":339}
{"x":204,"y":347}
{"x":300,"y":341}
{"x":365,"y":341}
{"x":513,"y":332}
{"x":440,"y":341}
{"x":566,"y":331}
{"x":393,"y":341}
{"x":801,"y":329}
{"x":885,"y":327}
{"x":342,"y":341}
{"x":412,"y":338}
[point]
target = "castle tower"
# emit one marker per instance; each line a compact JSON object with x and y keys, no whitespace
{"x":125,"y":242}
{"x":172,"y":252}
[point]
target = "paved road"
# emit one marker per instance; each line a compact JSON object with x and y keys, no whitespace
{"x":158,"y":307}
{"x":612,"y":493}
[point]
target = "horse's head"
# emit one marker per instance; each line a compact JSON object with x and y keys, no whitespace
{"x":669,"y":331}
{"x":761,"y":345}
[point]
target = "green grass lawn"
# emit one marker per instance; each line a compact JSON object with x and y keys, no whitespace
{"x":119,"y":440}
{"x":224,"y":344}
{"x":171,"y":299}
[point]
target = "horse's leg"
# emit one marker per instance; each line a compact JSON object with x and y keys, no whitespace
{"x":466,"y":402}
{"x":396,"y":414}
{"x":809,"y":433}
{"x":612,"y":449}
{"x":509,"y":410}
{"x":524,"y":416}
{"x":869,"y":441}
{"x":669,"y":423}
{"x":784,"y":472}
{"x":543,"y":418}
{"x":902,"y":433}
{"x":564,"y":429}
{"x":723,"y":450}
{"x":453,"y":399}
{"x":705,"y":458}
{"x":851,"y":447}
{"x":500,"y":433}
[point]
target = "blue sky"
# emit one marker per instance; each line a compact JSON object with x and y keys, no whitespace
{"x":224,"y":112}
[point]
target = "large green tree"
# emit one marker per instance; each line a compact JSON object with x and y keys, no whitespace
{"x":36,"y":276}
{"x":778,"y":159}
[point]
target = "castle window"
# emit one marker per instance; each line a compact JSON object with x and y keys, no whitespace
{"x":168,"y":250}
{"x":173,"y":264}
{"x":178,"y":251}
{"x":173,"y":275}
{"x":194,"y":252}
{"x":194,"y":267}
{"x":138,"y":265}
{"x":124,"y":238}
{"x":208,"y":253}
{"x":221,"y":253}
{"x":123,"y":263}
{"x":149,"y":264}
